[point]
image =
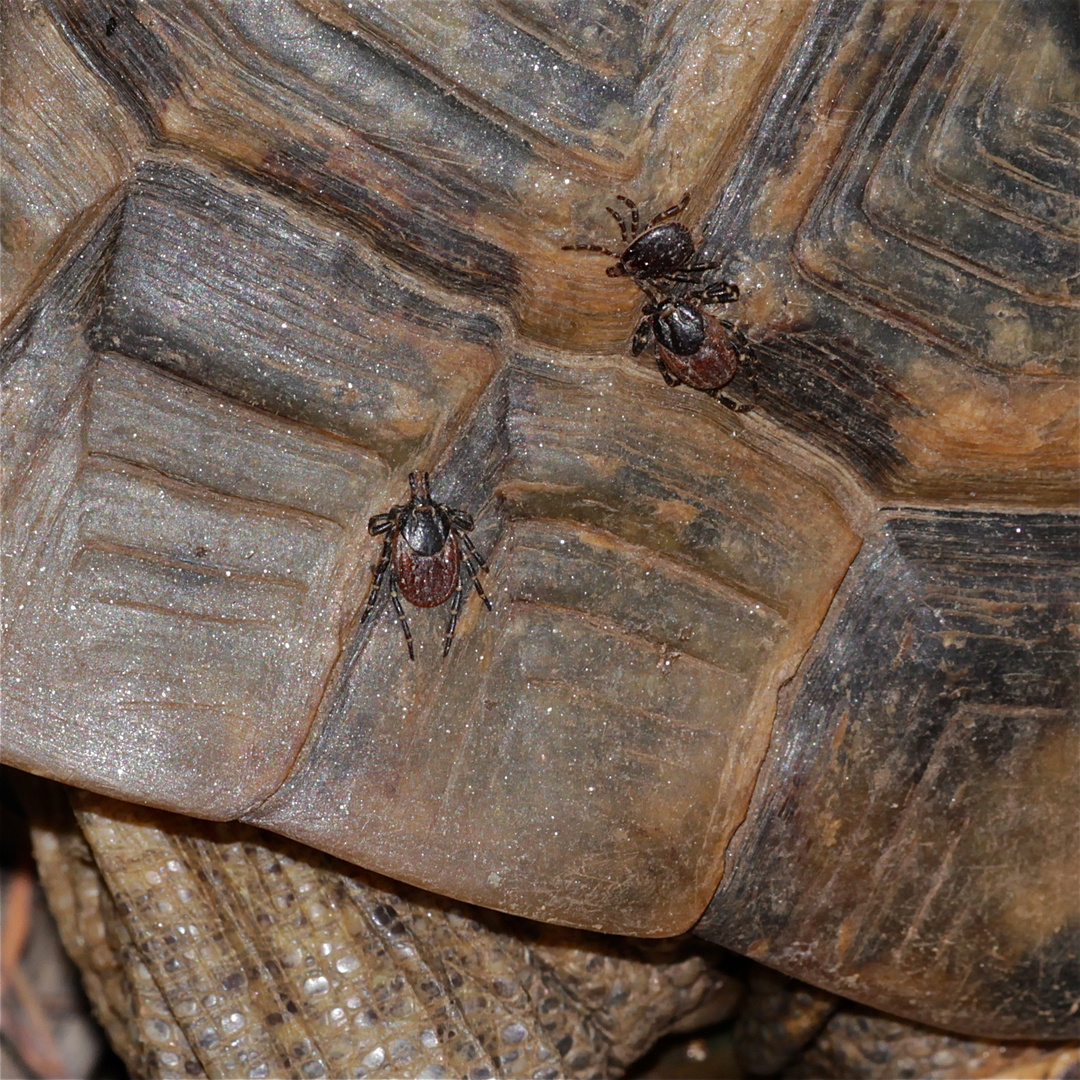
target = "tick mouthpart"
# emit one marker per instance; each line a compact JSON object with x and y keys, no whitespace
{"x":421,"y":487}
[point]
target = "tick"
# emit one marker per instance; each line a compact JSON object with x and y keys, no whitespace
{"x":693,"y":346}
{"x":429,"y":555}
{"x":662,"y":254}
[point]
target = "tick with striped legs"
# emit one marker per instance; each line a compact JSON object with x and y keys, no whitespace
{"x":429,"y":556}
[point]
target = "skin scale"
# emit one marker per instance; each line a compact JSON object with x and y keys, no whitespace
{"x":198,"y":455}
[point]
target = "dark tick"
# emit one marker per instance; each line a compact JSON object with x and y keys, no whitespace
{"x":429,"y":555}
{"x":693,"y":346}
{"x":660,"y":254}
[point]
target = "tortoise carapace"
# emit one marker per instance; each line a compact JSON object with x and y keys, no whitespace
{"x":429,"y":555}
{"x":662,"y":253}
{"x":693,"y":346}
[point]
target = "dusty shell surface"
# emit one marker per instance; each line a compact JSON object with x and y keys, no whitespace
{"x":323,"y":248}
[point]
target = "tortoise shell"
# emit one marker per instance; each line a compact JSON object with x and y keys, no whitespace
{"x":802,"y":677}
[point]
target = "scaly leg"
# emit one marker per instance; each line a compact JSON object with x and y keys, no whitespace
{"x":396,"y":598}
{"x":455,"y":610}
{"x":376,"y":579}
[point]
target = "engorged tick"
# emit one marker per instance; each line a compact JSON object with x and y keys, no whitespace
{"x":429,"y":555}
{"x":662,"y":254}
{"x":693,"y":346}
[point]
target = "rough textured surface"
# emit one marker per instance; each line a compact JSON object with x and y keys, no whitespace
{"x":778,"y":1020}
{"x":216,"y":558}
{"x":217,"y":950}
{"x":324,"y":248}
{"x":67,"y":146}
{"x":944,"y":688}
{"x":860,"y":1045}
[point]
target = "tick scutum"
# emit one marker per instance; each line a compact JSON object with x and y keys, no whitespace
{"x":657,"y":253}
{"x":681,"y":329}
{"x":425,"y":529}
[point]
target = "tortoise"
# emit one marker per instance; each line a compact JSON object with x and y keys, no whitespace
{"x":801,"y":679}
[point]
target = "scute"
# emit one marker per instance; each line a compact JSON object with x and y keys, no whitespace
{"x":324,"y":249}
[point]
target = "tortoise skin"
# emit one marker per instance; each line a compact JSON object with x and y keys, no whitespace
{"x":305,"y":269}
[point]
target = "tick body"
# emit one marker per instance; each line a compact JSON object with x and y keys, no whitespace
{"x":657,"y":256}
{"x":693,"y":346}
{"x":659,"y":252}
{"x":429,"y":556}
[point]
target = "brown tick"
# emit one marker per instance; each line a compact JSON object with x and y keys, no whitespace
{"x":694,"y":347}
{"x":429,"y":555}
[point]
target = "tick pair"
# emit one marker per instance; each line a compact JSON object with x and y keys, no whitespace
{"x":692,"y":345}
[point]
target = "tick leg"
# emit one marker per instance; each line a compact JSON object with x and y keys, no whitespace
{"x":686,"y":273}
{"x":731,"y":403}
{"x":381,"y":522}
{"x":747,"y":359}
{"x":668,"y":377}
{"x":401,"y":616}
{"x":376,"y":579}
{"x":720,"y":292}
{"x":591,"y":247}
{"x":474,"y":563}
{"x":455,"y":610}
{"x":621,"y":223}
{"x":741,"y":344}
{"x":460,"y":520}
{"x":747,"y":356}
{"x":632,"y":207}
{"x":670,"y":212}
{"x":470,"y":550}
{"x":751,"y":375}
{"x":476,"y":584}
{"x":641,"y":336}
